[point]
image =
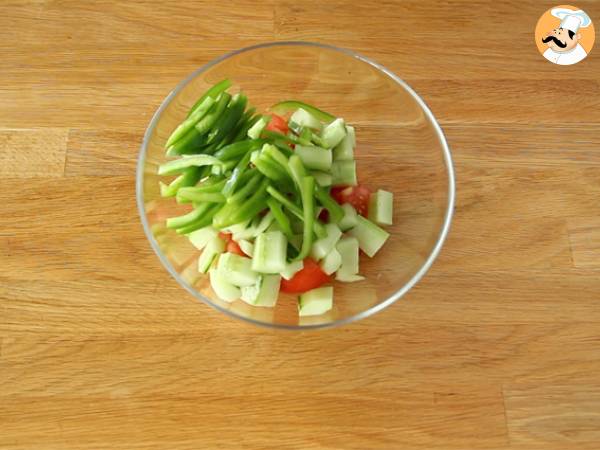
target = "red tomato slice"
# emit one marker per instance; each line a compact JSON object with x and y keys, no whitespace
{"x":357,"y":196}
{"x":234,"y":247}
{"x":225,"y":237}
{"x":277,"y":124}
{"x":310,"y":277}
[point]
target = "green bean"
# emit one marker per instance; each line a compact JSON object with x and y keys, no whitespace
{"x":207,"y":122}
{"x":178,"y":165}
{"x":186,"y":219}
{"x":203,"y":221}
{"x":336,"y":212}
{"x":189,"y":177}
{"x":307,"y":188}
{"x":192,"y":120}
{"x":247,"y":189}
{"x":213,"y":92}
{"x":280,"y":217}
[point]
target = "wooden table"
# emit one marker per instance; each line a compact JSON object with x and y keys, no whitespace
{"x":497,"y":348}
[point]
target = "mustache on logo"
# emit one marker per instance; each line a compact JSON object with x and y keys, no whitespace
{"x":555,"y":40}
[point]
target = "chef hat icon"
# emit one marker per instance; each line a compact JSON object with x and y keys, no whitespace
{"x":571,"y":19}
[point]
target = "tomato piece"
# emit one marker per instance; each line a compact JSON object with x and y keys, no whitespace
{"x":277,"y":124}
{"x":324,"y":216}
{"x":234,"y":247}
{"x":357,"y":196}
{"x":225,"y":237}
{"x":310,"y":277}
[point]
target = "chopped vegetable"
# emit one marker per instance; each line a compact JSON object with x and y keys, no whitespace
{"x":315,"y":302}
{"x":260,"y":187}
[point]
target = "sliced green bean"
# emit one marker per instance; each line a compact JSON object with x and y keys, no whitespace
{"x":186,"y":219}
{"x":292,"y":105}
{"x":189,"y":177}
{"x":336,"y":212}
{"x":192,"y":120}
{"x":280,"y":217}
{"x":239,"y":174}
{"x":203,"y":221}
{"x":307,"y":188}
{"x":213,"y":92}
{"x":178,"y":165}
{"x":207,"y":122}
{"x":242,"y":193}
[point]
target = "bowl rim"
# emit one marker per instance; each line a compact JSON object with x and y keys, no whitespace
{"x":361,"y":315}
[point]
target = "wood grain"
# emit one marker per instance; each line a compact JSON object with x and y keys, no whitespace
{"x":496,"y":348}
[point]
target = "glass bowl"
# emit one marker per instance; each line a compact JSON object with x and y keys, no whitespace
{"x":400,"y":148}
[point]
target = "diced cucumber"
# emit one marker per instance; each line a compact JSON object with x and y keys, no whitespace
{"x":315,"y":302}
{"x":200,"y":238}
{"x":263,"y":293}
{"x":343,"y":173}
{"x":305,"y":119}
{"x":237,"y":270}
{"x":348,"y":278}
{"x":344,"y":151}
{"x":331,"y":262}
{"x":250,"y":293}
{"x":312,"y":157}
{"x":334,"y":133}
{"x":246,"y":246}
{"x":291,"y":269}
{"x":349,"y":220}
{"x":264,"y":223}
{"x":270,"y":251}
{"x":323,"y":246}
{"x":370,"y":237}
{"x":224,"y":290}
{"x":214,"y":247}
{"x":381,"y":205}
{"x":348,"y":250}
{"x":323,"y":179}
{"x":258,"y":127}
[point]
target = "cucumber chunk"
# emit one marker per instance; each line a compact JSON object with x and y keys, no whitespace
{"x":237,"y":269}
{"x":344,"y":151}
{"x":348,"y":250}
{"x":381,"y":206}
{"x":291,"y":269}
{"x":215,"y":247}
{"x":316,"y":158}
{"x":334,"y":133}
{"x":200,"y":238}
{"x":348,"y":278}
{"x":344,"y":173}
{"x":321,"y":247}
{"x":223,"y":289}
{"x":246,"y":246}
{"x":350,"y":217}
{"x":306,"y":119}
{"x":370,"y":237}
{"x":264,"y":292}
{"x":331,"y":262}
{"x":258,"y":127}
{"x":270,"y":251}
{"x":315,"y":302}
{"x":323,"y":179}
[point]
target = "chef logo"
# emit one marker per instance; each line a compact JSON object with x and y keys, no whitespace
{"x":565,"y":35}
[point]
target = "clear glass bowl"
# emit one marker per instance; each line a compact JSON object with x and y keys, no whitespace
{"x":400,"y":148}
